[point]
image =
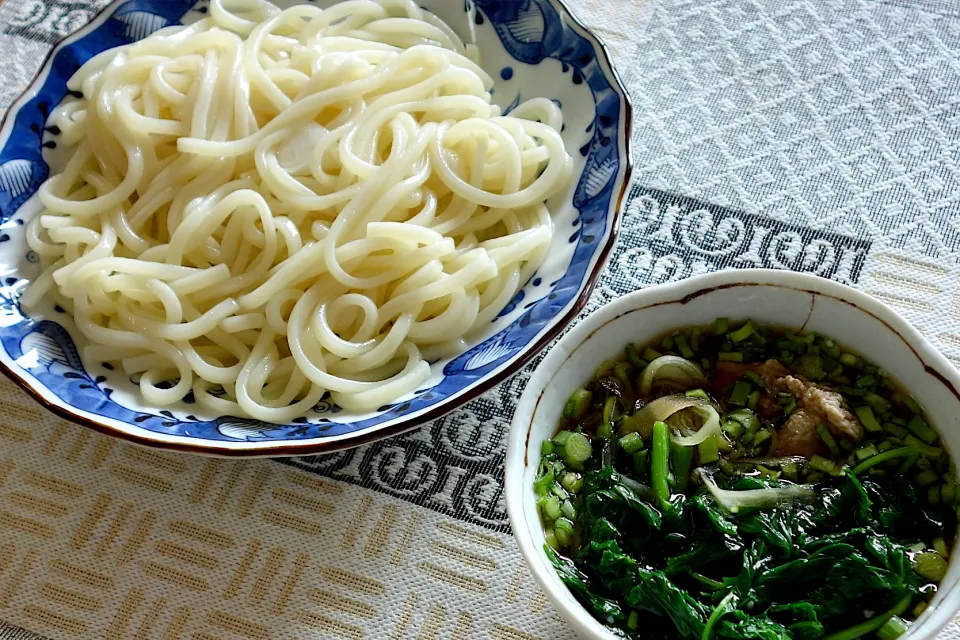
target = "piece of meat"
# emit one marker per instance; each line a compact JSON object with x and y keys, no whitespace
{"x":827,"y":405}
{"x":815,"y":405}
{"x":769,"y":371}
{"x":730,"y":372}
{"x":767,"y":408}
{"x":798,"y":435}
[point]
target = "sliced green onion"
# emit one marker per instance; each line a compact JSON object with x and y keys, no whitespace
{"x":605,"y":367}
{"x":720,"y":325}
{"x":753,"y":377}
{"x":849,"y":360}
{"x":826,"y":466}
{"x":605,"y":430}
{"x":651,"y":354}
{"x":876,"y":401}
{"x":542,"y":485}
{"x":631,"y":443}
{"x":927,"y":477}
{"x":741,"y":334}
{"x":919,"y":427}
{"x":608,"y":408}
{"x":571,"y":481}
{"x":695,"y":338}
{"x":827,"y":438}
{"x":760,"y":437}
{"x":912,"y":404}
{"x":576,"y":450}
{"x":787,"y":402}
{"x":753,"y":399}
{"x":948,"y":492}
{"x":563,"y":529}
{"x":730,"y":356}
{"x":697,"y":393}
{"x":683,"y":347}
{"x":747,"y":418}
{"x":792,"y":471}
{"x":741,"y":390}
{"x":623,"y":377}
{"x":933,"y":495}
{"x":940,"y":546}
{"x":866,"y":451}
{"x":634,"y":619}
{"x":578,"y":404}
{"x":550,"y":507}
{"x":568,"y":510}
{"x":930,"y":565}
{"x":810,"y":366}
{"x":667,"y":343}
{"x":546,"y":448}
{"x":866,"y":381}
{"x":767,"y":473}
{"x":892,"y":628}
{"x":561,"y":438}
{"x":894,"y":429}
{"x":865,"y":416}
{"x":733,"y":429}
{"x":551,"y":539}
{"x":630,"y":352}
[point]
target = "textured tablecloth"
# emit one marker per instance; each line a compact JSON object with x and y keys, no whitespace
{"x":822,"y":136}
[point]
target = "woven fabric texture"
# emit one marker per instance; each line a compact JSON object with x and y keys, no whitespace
{"x":821,"y":136}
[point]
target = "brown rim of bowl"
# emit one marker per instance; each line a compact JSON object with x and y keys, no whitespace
{"x":405,"y":425}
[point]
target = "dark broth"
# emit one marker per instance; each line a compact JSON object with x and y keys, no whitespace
{"x":751,"y":483}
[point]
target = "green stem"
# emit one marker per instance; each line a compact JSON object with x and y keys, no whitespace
{"x":660,"y":464}
{"x":723,"y":608}
{"x":871,"y":625}
{"x":886,"y":456}
{"x":710,"y":583}
{"x":682,"y":458}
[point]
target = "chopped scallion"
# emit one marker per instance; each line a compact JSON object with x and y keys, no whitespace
{"x":919,"y":427}
{"x":631,"y":443}
{"x":865,"y":416}
{"x":741,"y":390}
{"x":578,"y":404}
{"x":827,"y":438}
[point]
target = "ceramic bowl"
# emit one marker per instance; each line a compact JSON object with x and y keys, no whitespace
{"x":781,"y":298}
{"x":532,"y":48}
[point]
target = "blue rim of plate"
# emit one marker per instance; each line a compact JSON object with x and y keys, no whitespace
{"x":565,"y":38}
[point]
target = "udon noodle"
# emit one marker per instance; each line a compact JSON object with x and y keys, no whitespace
{"x":266,"y":206}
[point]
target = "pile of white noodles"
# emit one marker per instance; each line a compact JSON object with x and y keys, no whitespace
{"x":268,"y":205}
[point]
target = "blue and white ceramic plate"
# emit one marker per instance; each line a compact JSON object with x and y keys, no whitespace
{"x":531,"y":47}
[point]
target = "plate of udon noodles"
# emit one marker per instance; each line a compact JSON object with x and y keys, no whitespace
{"x":242,"y":228}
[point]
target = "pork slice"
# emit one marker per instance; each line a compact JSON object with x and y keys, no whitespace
{"x":798,"y":435}
{"x":828,"y":403}
{"x":769,"y":371}
{"x":825,"y":404}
